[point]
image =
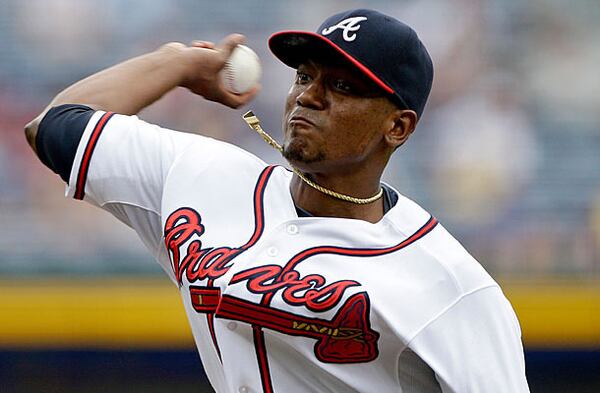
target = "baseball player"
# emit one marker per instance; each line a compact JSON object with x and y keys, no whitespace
{"x":316,"y":278}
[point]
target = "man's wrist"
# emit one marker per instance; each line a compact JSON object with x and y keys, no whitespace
{"x":173,"y":56}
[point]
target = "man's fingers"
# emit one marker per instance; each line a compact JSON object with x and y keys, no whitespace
{"x":202,"y":44}
{"x":248,"y":96}
{"x":230,"y":42}
{"x":237,"y":100}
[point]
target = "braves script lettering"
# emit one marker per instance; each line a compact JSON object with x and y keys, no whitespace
{"x":199,"y":263}
{"x":310,"y":291}
{"x":348,"y":26}
{"x":347,"y":338}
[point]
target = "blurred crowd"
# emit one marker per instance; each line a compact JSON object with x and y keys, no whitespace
{"x":507,"y":154}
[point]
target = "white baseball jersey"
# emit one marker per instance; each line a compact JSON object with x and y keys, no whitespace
{"x":281,"y":303}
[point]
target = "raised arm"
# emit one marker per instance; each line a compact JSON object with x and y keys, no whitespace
{"x":130,"y":86}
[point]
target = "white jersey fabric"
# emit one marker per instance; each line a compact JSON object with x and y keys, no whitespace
{"x":281,"y":303}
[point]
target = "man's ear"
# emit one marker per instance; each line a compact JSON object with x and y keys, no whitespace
{"x":402,"y":124}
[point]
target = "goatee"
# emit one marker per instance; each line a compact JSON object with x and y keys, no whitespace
{"x":298,"y":154}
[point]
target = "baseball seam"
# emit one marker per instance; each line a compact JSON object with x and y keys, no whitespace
{"x":229,"y":77}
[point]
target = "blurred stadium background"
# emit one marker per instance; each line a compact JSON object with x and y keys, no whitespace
{"x":507,"y":157}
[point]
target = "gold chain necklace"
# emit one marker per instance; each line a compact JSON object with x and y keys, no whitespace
{"x":254,"y":123}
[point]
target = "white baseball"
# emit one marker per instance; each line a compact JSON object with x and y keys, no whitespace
{"x":242,"y":70}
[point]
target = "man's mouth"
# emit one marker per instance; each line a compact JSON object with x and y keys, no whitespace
{"x":301,"y":121}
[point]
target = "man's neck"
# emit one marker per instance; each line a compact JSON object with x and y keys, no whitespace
{"x":321,"y":205}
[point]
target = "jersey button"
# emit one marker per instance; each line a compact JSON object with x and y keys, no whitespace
{"x":272,"y":251}
{"x":243,"y":389}
{"x":292,"y":229}
{"x":232,"y":326}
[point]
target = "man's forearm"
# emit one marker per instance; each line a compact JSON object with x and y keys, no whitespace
{"x":125,"y":88}
{"x":134,"y":84}
{"x":130,"y":86}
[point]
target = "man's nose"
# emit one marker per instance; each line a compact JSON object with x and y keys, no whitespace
{"x":312,"y":96}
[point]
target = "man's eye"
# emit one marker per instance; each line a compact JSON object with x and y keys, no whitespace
{"x":302,"y":78}
{"x":342,"y":85}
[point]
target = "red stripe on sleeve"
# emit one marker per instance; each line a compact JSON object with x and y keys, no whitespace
{"x":87,"y":155}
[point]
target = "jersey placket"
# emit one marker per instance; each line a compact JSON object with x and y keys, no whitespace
{"x":276,"y":277}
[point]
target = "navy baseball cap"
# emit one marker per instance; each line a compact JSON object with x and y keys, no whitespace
{"x":386,"y":50}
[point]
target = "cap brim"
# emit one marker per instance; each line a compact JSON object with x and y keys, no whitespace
{"x":295,"y":47}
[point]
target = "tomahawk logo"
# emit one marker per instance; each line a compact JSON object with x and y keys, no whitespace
{"x":349,"y":25}
{"x":346,"y":338}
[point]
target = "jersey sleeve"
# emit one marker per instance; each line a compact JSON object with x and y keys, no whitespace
{"x":124,"y":159}
{"x":116,"y":162}
{"x":475,"y":345}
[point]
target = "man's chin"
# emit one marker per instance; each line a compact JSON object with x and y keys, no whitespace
{"x":299,"y":156}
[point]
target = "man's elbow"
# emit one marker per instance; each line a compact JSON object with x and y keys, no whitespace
{"x":31,"y":130}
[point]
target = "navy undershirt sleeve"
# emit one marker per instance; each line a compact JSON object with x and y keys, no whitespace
{"x":58,"y":136}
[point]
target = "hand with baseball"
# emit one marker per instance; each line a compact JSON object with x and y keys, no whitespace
{"x":204,"y":64}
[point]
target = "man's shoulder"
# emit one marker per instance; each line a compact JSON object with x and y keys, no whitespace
{"x":440,"y":251}
{"x":206,"y":153}
{"x":406,"y":216}
{"x":466,"y":271}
